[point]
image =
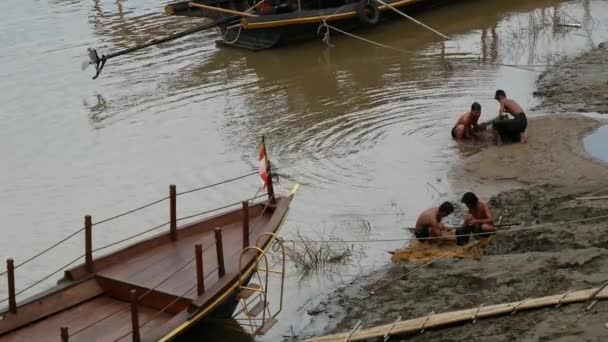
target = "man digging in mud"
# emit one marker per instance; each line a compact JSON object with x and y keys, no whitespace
{"x":429,"y":227}
{"x":509,"y":130}
{"x":467,"y":123}
{"x":478,"y":221}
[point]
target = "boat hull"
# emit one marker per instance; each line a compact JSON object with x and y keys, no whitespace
{"x":273,"y":31}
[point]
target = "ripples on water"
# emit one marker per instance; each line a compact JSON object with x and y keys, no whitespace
{"x":365,"y":129}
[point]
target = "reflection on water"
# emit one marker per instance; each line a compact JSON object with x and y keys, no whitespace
{"x":365,"y":129}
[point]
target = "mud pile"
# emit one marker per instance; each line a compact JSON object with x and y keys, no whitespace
{"x":519,"y":264}
{"x":577,"y":84}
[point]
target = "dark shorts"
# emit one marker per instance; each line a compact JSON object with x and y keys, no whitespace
{"x":463,"y":235}
{"x":422,"y":234}
{"x":510,"y":130}
{"x":454,"y":131}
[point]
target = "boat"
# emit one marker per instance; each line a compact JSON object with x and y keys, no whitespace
{"x":270,"y":23}
{"x":161,"y":287}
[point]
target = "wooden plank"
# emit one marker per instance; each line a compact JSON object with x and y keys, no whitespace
{"x":268,"y":324}
{"x":450,"y":318}
{"x":246,"y":293}
{"x":257,"y":309}
{"x":66,"y":297}
{"x":154,"y":299}
{"x":81,"y":316}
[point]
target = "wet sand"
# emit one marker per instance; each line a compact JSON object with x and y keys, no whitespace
{"x":551,"y":170}
{"x":577,"y":84}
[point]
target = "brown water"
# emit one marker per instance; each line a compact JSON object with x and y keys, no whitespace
{"x":363,"y":128}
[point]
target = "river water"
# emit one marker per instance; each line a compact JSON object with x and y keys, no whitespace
{"x":363,"y":128}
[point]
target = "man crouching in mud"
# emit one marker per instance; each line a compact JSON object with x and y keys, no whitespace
{"x":478,"y":221}
{"x":467,"y":123}
{"x":429,"y":226}
{"x":509,"y":130}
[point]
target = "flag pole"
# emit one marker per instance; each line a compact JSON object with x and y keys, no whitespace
{"x":271,"y":197}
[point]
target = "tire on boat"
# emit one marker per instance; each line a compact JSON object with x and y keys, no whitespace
{"x":368,"y":12}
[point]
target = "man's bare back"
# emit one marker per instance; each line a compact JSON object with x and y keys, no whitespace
{"x":429,"y":226}
{"x":510,"y":106}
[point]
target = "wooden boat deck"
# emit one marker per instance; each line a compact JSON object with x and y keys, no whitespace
{"x":152,"y":266}
{"x":85,"y":314}
{"x":160,"y":270}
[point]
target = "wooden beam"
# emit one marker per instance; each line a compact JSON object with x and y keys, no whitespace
{"x":173,"y":211}
{"x":460,"y":316}
{"x":223,"y":10}
{"x":10,"y":274}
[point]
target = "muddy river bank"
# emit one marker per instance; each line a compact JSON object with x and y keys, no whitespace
{"x":517,"y":265}
{"x":540,"y":182}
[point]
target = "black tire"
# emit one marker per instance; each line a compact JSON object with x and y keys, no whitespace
{"x":368,"y":12}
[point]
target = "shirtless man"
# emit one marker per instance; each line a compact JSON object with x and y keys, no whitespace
{"x":509,"y":130}
{"x":479,"y":220}
{"x":429,"y":223}
{"x":467,"y":123}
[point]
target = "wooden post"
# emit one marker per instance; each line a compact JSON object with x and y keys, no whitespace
{"x":173,"y":209}
{"x":271,"y":198}
{"x":245,"y":224}
{"x":65,"y":336}
{"x":134,"y":317}
{"x":220,"y":252}
{"x":10,"y":274}
{"x":200,"y":276}
{"x":88,"y":243}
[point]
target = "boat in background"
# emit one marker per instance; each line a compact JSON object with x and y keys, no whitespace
{"x":269,"y":23}
{"x":161,"y":287}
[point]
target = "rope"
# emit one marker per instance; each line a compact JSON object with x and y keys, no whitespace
{"x":238,"y":35}
{"x":412,"y":19}
{"x":130,"y":237}
{"x":216,"y":184}
{"x":372,"y":292}
{"x":46,"y":250}
{"x":324,"y":23}
{"x":43,"y":279}
{"x":544,"y":225}
{"x":131,"y":211}
{"x":216,"y":209}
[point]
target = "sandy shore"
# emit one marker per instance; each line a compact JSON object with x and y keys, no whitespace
{"x":554,"y":154}
{"x":551,"y":171}
{"x":577,"y":84}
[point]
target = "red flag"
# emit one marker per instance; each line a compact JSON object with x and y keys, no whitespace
{"x":263,"y":165}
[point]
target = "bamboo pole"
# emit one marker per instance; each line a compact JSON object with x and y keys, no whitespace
{"x":222,"y":10}
{"x":460,"y":316}
{"x":591,"y":198}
